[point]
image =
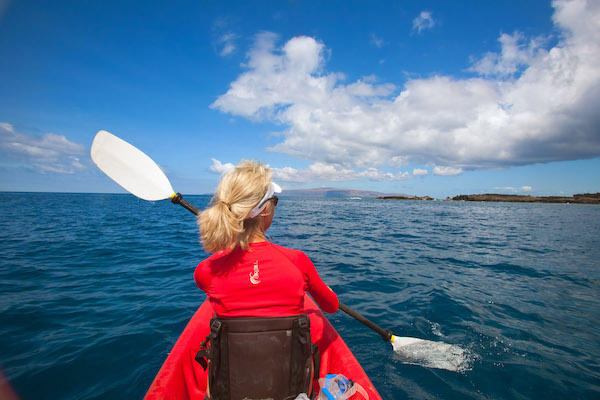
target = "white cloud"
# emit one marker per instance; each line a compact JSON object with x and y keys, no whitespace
{"x":227,"y":44}
{"x":220,"y":168}
{"x":423,"y":21}
{"x":447,"y":171}
{"x":513,"y":189}
{"x":516,"y":53}
{"x":377,"y":41}
{"x":529,"y":105}
{"x":334,"y":173}
{"x":48,"y":153}
{"x":420,"y":172}
{"x":320,"y":171}
{"x":224,"y":39}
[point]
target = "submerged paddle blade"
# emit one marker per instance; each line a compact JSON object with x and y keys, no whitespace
{"x":130,"y":168}
{"x":432,"y":354}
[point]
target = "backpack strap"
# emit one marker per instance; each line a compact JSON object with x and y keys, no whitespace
{"x":203,"y":355}
{"x":314,"y":349}
{"x":301,"y":355}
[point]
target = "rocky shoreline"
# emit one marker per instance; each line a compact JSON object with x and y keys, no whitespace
{"x":586,"y":198}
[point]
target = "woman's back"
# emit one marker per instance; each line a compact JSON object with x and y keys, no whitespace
{"x":267,"y":280}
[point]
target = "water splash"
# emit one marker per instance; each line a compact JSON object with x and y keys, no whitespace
{"x":431,"y":354}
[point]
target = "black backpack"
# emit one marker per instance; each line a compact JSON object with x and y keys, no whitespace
{"x":259,"y":358}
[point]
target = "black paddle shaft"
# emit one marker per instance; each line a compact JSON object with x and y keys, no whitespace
{"x":385,"y":333}
{"x":178,"y":199}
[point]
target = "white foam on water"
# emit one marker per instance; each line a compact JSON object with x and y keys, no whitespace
{"x":431,"y":354}
{"x":436,"y":329}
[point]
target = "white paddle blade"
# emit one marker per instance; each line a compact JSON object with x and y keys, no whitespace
{"x":430,"y":354}
{"x":130,"y":168}
{"x":404,"y":341}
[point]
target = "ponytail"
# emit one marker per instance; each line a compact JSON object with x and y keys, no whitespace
{"x":218,"y":227}
{"x":224,"y":225}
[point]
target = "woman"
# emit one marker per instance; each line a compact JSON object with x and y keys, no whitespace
{"x":252,"y":282}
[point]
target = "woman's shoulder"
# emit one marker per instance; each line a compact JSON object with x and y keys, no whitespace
{"x":282,"y":249}
{"x":297,"y":256}
{"x":213,"y":257}
{"x":220,"y":263}
{"x":219,"y":257}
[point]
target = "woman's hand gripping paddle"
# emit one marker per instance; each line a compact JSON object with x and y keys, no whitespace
{"x":133,"y":170}
{"x":141,"y":176}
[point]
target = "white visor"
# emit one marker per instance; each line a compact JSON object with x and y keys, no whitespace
{"x":273,"y":188}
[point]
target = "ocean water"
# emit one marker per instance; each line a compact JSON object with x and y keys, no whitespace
{"x":95,"y":290}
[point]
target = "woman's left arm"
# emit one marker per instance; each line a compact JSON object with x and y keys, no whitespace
{"x":320,"y":292}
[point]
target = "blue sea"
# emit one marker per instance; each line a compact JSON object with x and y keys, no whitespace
{"x":96,"y":288}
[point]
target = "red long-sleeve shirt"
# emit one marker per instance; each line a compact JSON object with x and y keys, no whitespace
{"x":265,"y":281}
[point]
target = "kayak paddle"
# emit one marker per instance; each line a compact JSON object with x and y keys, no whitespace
{"x":141,"y":176}
{"x":133,"y":170}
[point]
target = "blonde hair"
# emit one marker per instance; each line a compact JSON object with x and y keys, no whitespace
{"x":223,"y":224}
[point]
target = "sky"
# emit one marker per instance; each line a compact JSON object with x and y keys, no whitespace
{"x":432,"y":98}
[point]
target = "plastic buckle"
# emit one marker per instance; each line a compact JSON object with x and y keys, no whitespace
{"x":303,"y":322}
{"x":215,"y":328}
{"x":216,"y":325}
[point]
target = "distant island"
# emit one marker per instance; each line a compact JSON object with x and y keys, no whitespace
{"x":405,"y":198}
{"x":587,"y":198}
{"x":336,"y":193}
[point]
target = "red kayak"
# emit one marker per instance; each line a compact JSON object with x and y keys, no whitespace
{"x":181,"y":377}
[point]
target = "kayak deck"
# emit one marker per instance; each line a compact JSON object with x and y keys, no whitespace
{"x":181,"y":377}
